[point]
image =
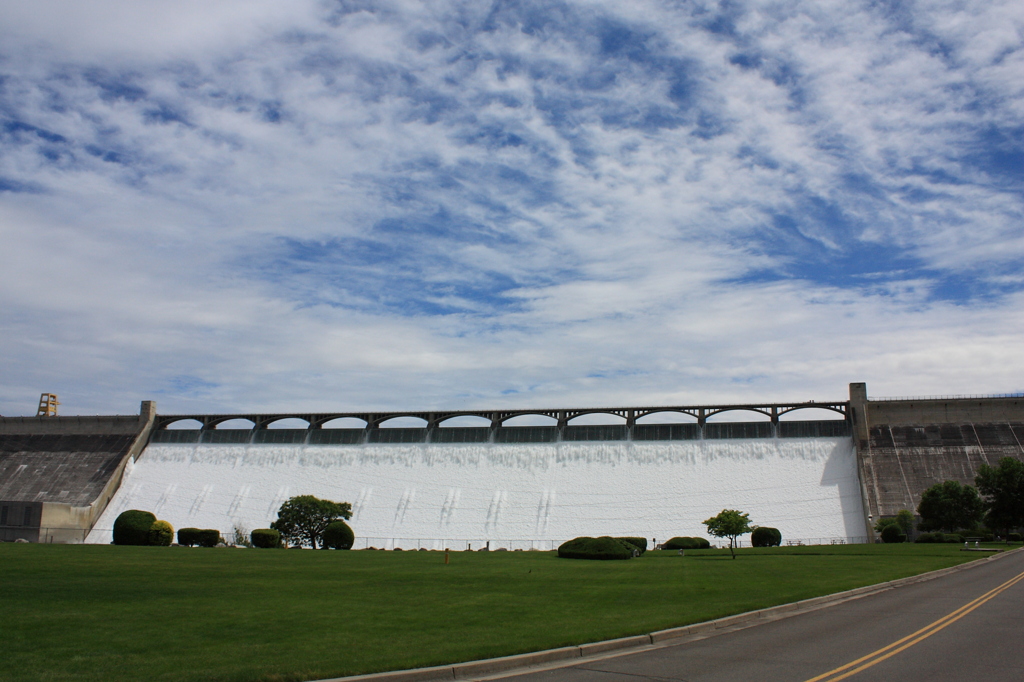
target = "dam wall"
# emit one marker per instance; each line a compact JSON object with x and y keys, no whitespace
{"x":907,"y":445}
{"x":57,"y":474}
{"x":524,"y":486}
{"x":506,"y":495}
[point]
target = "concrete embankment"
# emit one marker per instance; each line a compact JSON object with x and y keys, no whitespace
{"x":57,"y":474}
{"x":905,"y":446}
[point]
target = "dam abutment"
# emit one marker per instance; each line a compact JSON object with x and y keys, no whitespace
{"x":58,"y":473}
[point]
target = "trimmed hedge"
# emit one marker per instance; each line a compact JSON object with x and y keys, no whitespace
{"x":602,"y":548}
{"x":265,"y":538}
{"x":132,"y":527}
{"x":764,"y":536}
{"x":686,"y":543}
{"x":1013,"y":537}
{"x":208,"y":537}
{"x":160,"y":534}
{"x":639,"y":543}
{"x":188,"y":537}
{"x":338,"y":535}
{"x":893,"y":533}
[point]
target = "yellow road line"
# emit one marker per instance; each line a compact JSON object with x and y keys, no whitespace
{"x":910,"y":640}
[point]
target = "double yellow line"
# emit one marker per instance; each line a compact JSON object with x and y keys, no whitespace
{"x":854,"y":667}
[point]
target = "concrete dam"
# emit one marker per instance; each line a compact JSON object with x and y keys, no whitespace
{"x":498,"y":485}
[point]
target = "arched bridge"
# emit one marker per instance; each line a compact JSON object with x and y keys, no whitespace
{"x":562,"y":428}
{"x":498,"y":417}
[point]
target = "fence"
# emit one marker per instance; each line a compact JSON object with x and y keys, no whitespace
{"x":77,"y":535}
{"x":946,"y":397}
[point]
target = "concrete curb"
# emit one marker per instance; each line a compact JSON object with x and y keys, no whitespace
{"x":491,"y":666}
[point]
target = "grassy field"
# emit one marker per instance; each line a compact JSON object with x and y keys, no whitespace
{"x":79,"y":612}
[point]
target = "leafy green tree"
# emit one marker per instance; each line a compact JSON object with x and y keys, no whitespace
{"x":904,"y":519}
{"x":1003,"y":489}
{"x":304,"y":518}
{"x":949,"y":506}
{"x":729,"y":523}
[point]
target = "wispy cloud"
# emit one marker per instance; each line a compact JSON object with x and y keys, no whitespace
{"x":392,"y":204}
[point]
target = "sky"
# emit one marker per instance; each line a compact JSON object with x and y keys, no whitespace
{"x":326,"y":206}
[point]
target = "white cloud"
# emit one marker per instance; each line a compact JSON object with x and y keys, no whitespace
{"x":265,"y":206}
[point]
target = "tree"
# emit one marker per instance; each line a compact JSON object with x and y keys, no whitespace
{"x":1003,"y":489}
{"x":302,"y":519}
{"x":904,"y":519}
{"x":729,"y":523}
{"x":949,"y":506}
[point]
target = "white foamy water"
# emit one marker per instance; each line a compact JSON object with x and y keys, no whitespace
{"x":515,"y":496}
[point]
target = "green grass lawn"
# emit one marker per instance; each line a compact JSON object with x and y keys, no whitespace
{"x":81,"y":612}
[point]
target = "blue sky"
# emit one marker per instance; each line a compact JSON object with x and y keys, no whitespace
{"x":402,"y":205}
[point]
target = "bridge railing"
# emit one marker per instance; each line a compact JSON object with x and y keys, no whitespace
{"x":509,"y":434}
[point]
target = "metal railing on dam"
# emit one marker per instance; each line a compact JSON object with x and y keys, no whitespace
{"x":497,"y":418}
{"x":510,"y":434}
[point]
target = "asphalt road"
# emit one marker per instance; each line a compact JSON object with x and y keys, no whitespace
{"x":967,"y":625}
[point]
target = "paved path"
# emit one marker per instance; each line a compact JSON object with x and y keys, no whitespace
{"x":969,"y":626}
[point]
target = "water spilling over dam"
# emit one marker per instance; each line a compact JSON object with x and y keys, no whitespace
{"x":658,"y":472}
{"x":516,"y":496}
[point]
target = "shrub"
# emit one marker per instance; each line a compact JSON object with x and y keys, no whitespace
{"x":160,"y":534}
{"x":208,"y":537}
{"x":765,"y":536}
{"x":242,"y":536}
{"x":189,"y":537}
{"x":265,"y":538}
{"x":687,"y":543}
{"x":893,"y":533}
{"x":952,"y":537}
{"x":338,"y":535}
{"x":1013,"y":537}
{"x":639,"y":543}
{"x":926,"y":538}
{"x":595,"y":548}
{"x":132,"y":527}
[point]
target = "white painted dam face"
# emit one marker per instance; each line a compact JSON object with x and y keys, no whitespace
{"x":514,"y":496}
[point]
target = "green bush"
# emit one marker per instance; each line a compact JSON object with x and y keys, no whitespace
{"x":893,"y":533}
{"x":208,"y":537}
{"x":265,"y":538}
{"x":1013,"y":537}
{"x":687,"y":543}
{"x":338,"y":535}
{"x":639,"y":543}
{"x":132,"y":527}
{"x":952,"y":537}
{"x":595,"y":548}
{"x":927,"y":538}
{"x":160,"y":534}
{"x":188,"y":537}
{"x":765,"y":536}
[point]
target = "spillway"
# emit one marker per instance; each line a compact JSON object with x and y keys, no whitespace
{"x":514,"y":496}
